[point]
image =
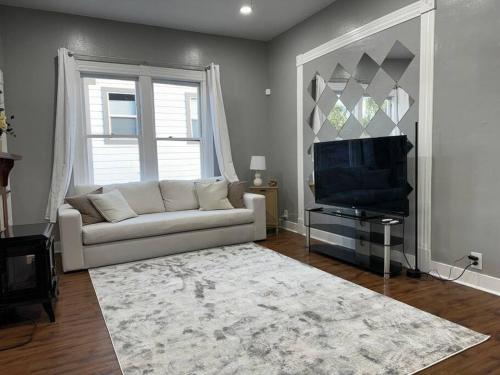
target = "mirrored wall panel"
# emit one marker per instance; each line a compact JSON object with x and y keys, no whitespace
{"x":370,"y":101}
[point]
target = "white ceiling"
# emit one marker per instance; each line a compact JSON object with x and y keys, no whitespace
{"x":222,"y":17}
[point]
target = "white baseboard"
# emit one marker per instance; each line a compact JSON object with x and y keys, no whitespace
{"x":290,"y":226}
{"x":472,"y":279}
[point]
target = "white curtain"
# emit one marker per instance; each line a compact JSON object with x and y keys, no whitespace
{"x":219,"y":124}
{"x":65,"y":132}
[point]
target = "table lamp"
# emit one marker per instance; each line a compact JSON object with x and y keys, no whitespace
{"x":258,"y":163}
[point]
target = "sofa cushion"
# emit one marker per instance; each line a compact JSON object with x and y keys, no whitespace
{"x":178,"y":195}
{"x":158,"y":224}
{"x":143,"y":197}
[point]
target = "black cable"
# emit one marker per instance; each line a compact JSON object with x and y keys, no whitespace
{"x":440,"y":278}
{"x":26,"y":342}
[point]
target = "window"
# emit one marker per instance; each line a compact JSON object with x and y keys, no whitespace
{"x":144,"y":124}
{"x":178,"y":133}
{"x":112,"y":142}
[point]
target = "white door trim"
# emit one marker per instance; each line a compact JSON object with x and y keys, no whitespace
{"x":425,"y":9}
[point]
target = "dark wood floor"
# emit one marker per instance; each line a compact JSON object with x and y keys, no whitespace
{"x":78,"y":343}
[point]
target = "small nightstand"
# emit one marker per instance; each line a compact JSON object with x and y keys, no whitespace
{"x":271,"y":194}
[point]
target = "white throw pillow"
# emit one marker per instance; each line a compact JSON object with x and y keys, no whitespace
{"x":112,"y":206}
{"x":212,"y":196}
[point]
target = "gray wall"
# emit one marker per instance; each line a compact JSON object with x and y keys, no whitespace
{"x":32,"y":39}
{"x":1,"y":51}
{"x":466,"y":176}
{"x":466,"y":172}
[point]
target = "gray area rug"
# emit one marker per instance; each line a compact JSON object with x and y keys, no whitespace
{"x":248,"y":310}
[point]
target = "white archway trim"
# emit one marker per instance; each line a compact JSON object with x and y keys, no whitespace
{"x":425,"y":9}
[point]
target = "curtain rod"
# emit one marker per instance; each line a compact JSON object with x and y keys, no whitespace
{"x":125,"y":61}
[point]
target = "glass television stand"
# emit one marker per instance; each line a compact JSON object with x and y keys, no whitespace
{"x":365,"y":240}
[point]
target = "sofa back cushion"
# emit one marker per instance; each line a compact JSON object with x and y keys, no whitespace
{"x":142,"y":197}
{"x":178,"y":195}
{"x":83,"y":189}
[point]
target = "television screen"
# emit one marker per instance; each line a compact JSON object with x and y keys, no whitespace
{"x":368,"y":173}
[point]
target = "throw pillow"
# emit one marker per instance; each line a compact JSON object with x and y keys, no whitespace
{"x":82,"y":204}
{"x":213,"y":196}
{"x":112,"y":206}
{"x":235,"y":193}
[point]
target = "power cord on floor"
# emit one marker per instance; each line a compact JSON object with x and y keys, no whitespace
{"x":439,"y":277}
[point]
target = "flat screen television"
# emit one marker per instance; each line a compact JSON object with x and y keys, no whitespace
{"x":367,"y":174}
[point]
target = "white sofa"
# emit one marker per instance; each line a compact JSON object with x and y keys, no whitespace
{"x":162,"y":227}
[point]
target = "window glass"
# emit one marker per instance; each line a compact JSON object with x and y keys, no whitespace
{"x":114,"y":162}
{"x":178,"y":160}
{"x":176,"y":110}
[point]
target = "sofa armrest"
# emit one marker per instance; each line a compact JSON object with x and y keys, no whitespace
{"x":70,"y":231}
{"x":257,"y":203}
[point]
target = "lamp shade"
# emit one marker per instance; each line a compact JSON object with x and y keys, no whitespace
{"x":258,"y":163}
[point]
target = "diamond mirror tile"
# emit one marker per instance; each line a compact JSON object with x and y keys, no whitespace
{"x":316,"y":119}
{"x":352,"y":93}
{"x":338,"y":115}
{"x":381,"y":125}
{"x":381,"y":86}
{"x":397,"y":104}
{"x":338,"y":80}
{"x":328,"y":132}
{"x":397,"y":61}
{"x":327,"y":100}
{"x":316,"y":87}
{"x":365,"y":110}
{"x":352,"y":129}
{"x":365,"y":70}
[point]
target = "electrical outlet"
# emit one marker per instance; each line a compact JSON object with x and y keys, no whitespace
{"x":479,"y":260}
{"x":285,"y":214}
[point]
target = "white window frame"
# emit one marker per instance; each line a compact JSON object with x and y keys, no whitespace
{"x":145,"y":76}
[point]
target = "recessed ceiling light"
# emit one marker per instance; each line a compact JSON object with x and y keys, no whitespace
{"x":246,"y":9}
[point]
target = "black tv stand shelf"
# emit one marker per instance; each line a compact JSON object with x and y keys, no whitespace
{"x":381,"y":265}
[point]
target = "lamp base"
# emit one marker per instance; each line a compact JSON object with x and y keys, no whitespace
{"x":257,"y":181}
